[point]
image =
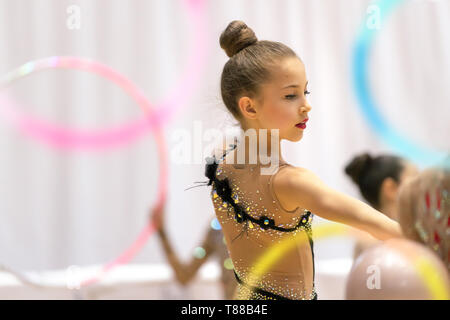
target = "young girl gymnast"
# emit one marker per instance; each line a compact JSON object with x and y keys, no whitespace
{"x":264,"y":86}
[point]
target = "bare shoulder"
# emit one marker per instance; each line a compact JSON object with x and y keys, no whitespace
{"x":296,"y":186}
{"x":291,"y":176}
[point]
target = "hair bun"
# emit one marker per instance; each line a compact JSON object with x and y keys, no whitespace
{"x":236,"y":37}
{"x":358,"y":166}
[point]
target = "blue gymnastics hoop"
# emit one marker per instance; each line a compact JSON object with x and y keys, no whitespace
{"x":405,"y":147}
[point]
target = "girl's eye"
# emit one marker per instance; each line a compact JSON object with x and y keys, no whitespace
{"x":293,"y":96}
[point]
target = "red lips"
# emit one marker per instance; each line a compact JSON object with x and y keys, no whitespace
{"x":302,"y":124}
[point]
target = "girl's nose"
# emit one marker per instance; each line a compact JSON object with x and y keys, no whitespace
{"x":305,"y":108}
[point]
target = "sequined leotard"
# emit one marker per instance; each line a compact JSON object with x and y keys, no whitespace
{"x":252,"y":220}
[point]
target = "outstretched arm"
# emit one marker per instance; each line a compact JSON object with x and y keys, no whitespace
{"x":302,"y":188}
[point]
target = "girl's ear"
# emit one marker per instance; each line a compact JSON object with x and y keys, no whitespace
{"x":389,"y":188}
{"x":247,"y":107}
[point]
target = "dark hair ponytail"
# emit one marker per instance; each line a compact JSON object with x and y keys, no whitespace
{"x":368,"y":173}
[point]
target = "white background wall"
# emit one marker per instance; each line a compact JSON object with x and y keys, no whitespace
{"x":79,"y":208}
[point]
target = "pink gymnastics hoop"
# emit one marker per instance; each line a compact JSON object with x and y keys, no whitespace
{"x":72,"y":139}
{"x":96,"y":140}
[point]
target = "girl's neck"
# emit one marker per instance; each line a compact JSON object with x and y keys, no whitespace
{"x":262,"y":147}
{"x":389,"y":209}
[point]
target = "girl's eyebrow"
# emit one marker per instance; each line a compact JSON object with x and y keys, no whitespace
{"x":295,"y":85}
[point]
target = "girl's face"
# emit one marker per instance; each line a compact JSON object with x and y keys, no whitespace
{"x":390,"y":189}
{"x":282,"y":101}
